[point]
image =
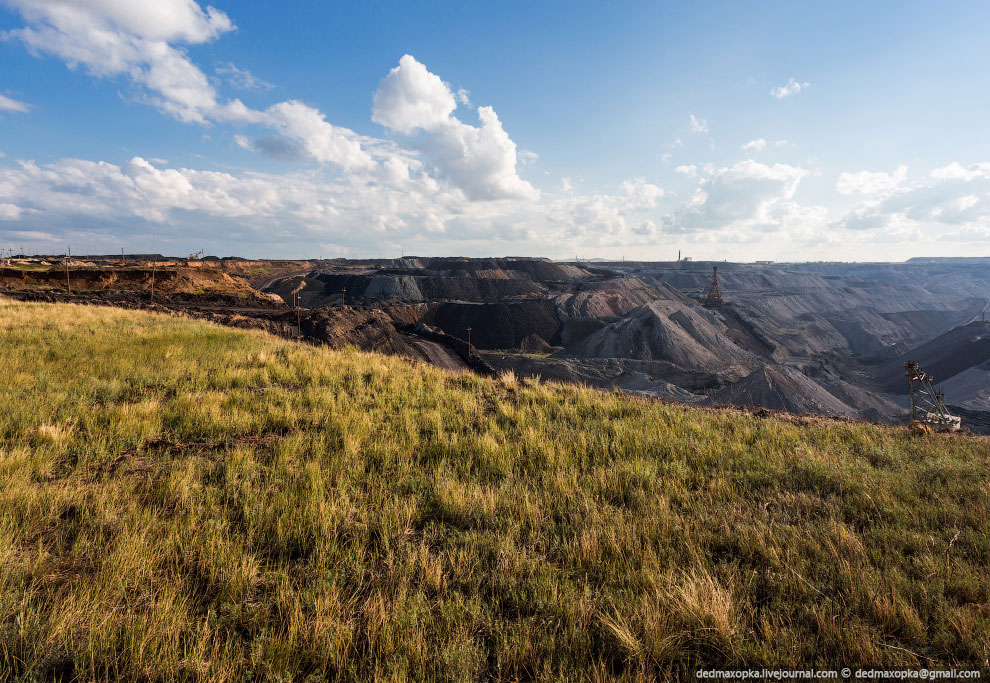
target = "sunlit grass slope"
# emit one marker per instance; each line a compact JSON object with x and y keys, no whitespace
{"x":180,"y":500}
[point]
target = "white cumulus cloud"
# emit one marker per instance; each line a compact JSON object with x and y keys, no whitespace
{"x":319,"y":138}
{"x":480,"y":160}
{"x":953,"y":201}
{"x":696,"y":125}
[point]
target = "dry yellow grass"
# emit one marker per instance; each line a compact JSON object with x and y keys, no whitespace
{"x":183,"y":501}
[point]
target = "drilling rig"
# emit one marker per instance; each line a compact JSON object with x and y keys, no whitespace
{"x":714,"y":298}
{"x":927,"y":403}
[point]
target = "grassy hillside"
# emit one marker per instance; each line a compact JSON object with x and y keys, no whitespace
{"x":180,"y":500}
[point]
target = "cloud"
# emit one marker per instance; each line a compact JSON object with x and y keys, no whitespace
{"x":402,"y":205}
{"x":696,"y":125}
{"x":746,"y":195}
{"x":689,"y":170}
{"x":464,"y":97}
{"x":133,"y":39}
{"x":647,"y":229}
{"x":273,"y":147}
{"x":605,"y":214}
{"x":953,"y":200}
{"x":14,"y":106}
{"x":98,"y":203}
{"x":138,"y":39}
{"x":865,"y":182}
{"x":956,"y":171}
{"x":760,"y":144}
{"x":320,"y":139}
{"x":141,"y":41}
{"x":792,"y":87}
{"x":241,"y":79}
{"x":640,"y":194}
{"x":410,"y":97}
{"x":528,"y":157}
{"x":480,"y":160}
{"x":184,"y":200}
{"x":9,"y":211}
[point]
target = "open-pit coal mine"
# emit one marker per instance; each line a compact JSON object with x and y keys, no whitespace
{"x":806,"y":338}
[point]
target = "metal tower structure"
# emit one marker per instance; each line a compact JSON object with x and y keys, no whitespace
{"x":927,"y":403}
{"x":714,"y":298}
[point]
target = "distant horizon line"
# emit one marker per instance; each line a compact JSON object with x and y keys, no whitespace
{"x":599,"y":260}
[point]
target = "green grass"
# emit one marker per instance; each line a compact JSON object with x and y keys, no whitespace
{"x":184,"y":501}
{"x":27,"y":266}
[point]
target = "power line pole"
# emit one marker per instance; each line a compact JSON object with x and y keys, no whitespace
{"x":295,"y":302}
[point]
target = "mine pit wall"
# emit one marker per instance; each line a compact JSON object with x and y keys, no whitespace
{"x":497,"y":326}
{"x":371,"y":287}
{"x":88,"y":278}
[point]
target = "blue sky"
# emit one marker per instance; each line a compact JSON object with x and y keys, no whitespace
{"x":848,"y":131}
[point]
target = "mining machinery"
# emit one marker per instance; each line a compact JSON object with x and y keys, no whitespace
{"x":928,"y":411}
{"x":714,"y":298}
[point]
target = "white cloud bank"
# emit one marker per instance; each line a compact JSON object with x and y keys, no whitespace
{"x":951,"y":204}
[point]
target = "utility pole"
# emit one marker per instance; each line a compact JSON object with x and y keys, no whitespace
{"x":68,"y":288}
{"x":295,"y":301}
{"x":469,"y":342}
{"x":343,"y":297}
{"x":154,"y":264}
